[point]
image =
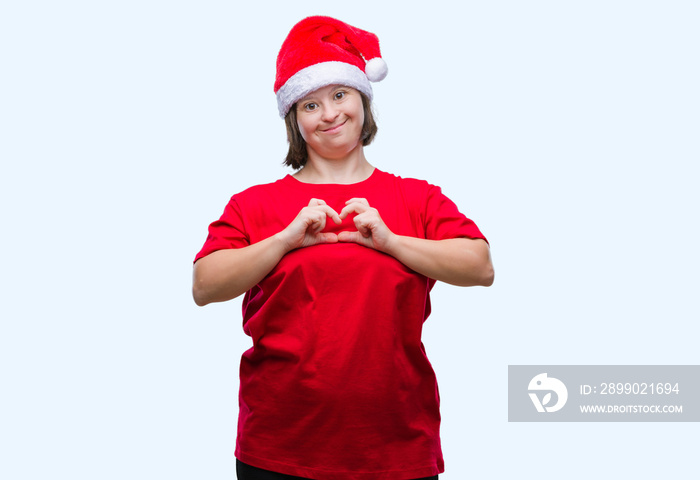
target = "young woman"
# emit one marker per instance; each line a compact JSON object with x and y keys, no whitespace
{"x":336,"y":263}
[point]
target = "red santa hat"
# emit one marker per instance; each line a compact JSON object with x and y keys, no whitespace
{"x":322,"y":51}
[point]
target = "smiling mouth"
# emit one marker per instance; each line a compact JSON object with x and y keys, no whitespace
{"x":334,"y":129}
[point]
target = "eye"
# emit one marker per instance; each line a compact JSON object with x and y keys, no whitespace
{"x":339,"y":95}
{"x":310,"y":107}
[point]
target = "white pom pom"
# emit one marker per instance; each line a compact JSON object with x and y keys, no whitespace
{"x":376,"y":69}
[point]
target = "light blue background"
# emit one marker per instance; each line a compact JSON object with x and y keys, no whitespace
{"x":567,"y":130}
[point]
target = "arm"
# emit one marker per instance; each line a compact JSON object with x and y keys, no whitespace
{"x":458,"y":261}
{"x":226,"y":274}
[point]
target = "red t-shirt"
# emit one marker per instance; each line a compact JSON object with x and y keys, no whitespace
{"x":337,"y":384}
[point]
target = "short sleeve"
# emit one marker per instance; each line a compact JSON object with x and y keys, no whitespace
{"x":227,"y":232}
{"x":444,"y":220}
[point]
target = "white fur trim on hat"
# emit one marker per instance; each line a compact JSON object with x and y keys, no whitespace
{"x":317,"y":76}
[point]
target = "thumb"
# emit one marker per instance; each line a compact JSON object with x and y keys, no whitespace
{"x":327,"y":238}
{"x":355,"y":237}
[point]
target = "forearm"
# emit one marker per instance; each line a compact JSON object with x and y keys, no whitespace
{"x":226,"y":274}
{"x":458,"y":261}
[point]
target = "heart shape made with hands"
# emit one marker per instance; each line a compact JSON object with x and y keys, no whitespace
{"x":370,"y":229}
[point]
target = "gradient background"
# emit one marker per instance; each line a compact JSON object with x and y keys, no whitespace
{"x":567,"y":130}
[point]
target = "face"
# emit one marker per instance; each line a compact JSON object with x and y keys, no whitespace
{"x":330,"y":120}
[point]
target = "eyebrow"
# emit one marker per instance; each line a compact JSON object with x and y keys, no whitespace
{"x":306,"y":99}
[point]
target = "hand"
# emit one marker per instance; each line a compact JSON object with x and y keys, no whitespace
{"x":371,"y":231}
{"x":305,"y":229}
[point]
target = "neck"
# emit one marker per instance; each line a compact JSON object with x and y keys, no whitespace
{"x":352,"y":168}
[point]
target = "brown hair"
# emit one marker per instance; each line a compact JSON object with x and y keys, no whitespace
{"x":297,"y":154}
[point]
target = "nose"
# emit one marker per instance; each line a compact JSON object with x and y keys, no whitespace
{"x":329,"y":112}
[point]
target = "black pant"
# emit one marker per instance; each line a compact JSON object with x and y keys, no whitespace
{"x":248,"y":472}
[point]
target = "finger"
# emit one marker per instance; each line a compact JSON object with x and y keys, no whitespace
{"x":316,"y":221}
{"x":316,"y":205}
{"x":350,"y":237}
{"x":318,"y":215}
{"x":331,"y":213}
{"x":357,"y":200}
{"x":363,"y":226}
{"x":327,"y":238}
{"x":354,"y":207}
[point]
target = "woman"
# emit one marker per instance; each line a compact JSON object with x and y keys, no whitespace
{"x":336,"y":263}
